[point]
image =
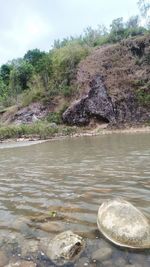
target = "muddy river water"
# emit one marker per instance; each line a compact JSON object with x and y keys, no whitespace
{"x":50,"y":187}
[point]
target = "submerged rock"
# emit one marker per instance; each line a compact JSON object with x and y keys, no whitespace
{"x":65,"y":247}
{"x":102,"y":254}
{"x":29,"y":247}
{"x":123,"y":224}
{"x":3,"y":258}
{"x":21,"y":264}
{"x":51,"y":227}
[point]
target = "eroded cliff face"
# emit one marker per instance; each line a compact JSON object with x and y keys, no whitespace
{"x":114,"y":83}
{"x":97,"y":104}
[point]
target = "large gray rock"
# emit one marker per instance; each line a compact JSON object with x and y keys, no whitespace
{"x":65,"y":247}
{"x":96,"y":104}
{"x":123,"y":224}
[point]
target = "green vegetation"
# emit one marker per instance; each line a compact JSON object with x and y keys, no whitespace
{"x":143,"y":96}
{"x":142,"y":89}
{"x":42,"y":130}
{"x":50,"y":77}
{"x":40,"y":76}
{"x":54,"y":117}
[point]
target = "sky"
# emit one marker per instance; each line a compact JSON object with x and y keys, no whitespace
{"x":29,"y":24}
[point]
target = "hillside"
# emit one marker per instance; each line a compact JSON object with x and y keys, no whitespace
{"x":110,"y":85}
{"x":114,"y":84}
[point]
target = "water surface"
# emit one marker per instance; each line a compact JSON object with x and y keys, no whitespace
{"x":68,"y":180}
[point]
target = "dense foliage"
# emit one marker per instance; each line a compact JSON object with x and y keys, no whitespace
{"x":40,"y":75}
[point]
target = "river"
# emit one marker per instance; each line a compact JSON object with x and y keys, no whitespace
{"x":67,"y":180}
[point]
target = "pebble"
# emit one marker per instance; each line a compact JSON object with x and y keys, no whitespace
{"x":108,"y":263}
{"x":28,"y":247}
{"x":22,"y":264}
{"x":82,"y":262}
{"x":120,"y":262}
{"x":102,"y":254}
{"x":51,"y":227}
{"x":3,"y":259}
{"x":133,"y":265}
{"x":27,"y":264}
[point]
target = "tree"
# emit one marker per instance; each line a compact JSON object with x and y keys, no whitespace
{"x":144,"y":6}
{"x":64,"y":62}
{"x":5,"y":73}
{"x":33,"y":57}
{"x":117,"y":25}
{"x":2,"y":87}
{"x":133,"y":27}
{"x":117,"y":30}
{"x":20,"y":75}
{"x":14,"y":86}
{"x":3,"y":92}
{"x":133,"y":22}
{"x":45,"y":69}
{"x":24,"y":72}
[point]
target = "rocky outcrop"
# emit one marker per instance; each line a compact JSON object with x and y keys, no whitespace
{"x":113,"y":85}
{"x":25,"y":115}
{"x":30,"y":114}
{"x":97,"y":104}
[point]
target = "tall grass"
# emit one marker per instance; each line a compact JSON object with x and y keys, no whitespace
{"x":41,"y":130}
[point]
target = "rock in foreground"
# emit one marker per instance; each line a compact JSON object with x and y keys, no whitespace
{"x":123,"y":224}
{"x":65,"y":247}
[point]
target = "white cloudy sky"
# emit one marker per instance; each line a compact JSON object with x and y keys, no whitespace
{"x":28,"y":24}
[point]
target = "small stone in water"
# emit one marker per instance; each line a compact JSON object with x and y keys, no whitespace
{"x":133,"y":265}
{"x":28,"y":247}
{"x":102,"y":254}
{"x":51,"y":227}
{"x":3,"y":259}
{"x":108,"y":263}
{"x":65,"y":247}
{"x":27,"y":264}
{"x":21,"y":264}
{"x":83,"y":261}
{"x":120,"y":262}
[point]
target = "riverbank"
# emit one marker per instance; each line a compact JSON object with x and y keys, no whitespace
{"x":50,"y":131}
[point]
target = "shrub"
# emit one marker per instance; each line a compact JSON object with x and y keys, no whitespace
{"x":143,"y":96}
{"x":64,"y":62}
{"x":54,"y":117}
{"x":43,"y":130}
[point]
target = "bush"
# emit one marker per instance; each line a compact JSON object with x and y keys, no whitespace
{"x":64,"y":62}
{"x":34,"y":93}
{"x":143,"y":96}
{"x":43,"y":130}
{"x":54,"y":117}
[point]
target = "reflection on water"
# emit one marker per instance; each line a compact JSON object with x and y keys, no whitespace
{"x":70,"y":179}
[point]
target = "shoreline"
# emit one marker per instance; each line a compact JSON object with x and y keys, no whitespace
{"x":90,"y":132}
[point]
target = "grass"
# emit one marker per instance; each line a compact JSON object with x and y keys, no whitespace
{"x":41,"y":130}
